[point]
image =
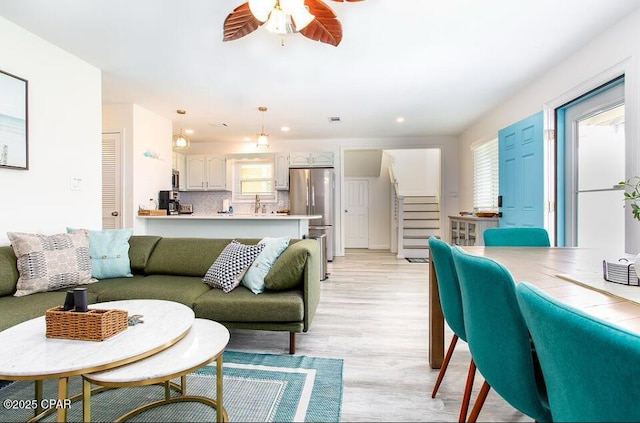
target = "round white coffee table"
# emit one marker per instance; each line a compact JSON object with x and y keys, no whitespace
{"x":27,"y":354}
{"x":204,"y":343}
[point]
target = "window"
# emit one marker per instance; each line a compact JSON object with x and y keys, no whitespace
{"x":253,"y":177}
{"x":485,"y":175}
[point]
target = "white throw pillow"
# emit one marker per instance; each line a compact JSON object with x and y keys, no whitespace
{"x":254,"y":277}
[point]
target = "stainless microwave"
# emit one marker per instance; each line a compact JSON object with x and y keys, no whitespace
{"x":175,"y":180}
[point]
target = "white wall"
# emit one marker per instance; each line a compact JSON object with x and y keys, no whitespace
{"x":147,"y":156}
{"x":64,"y":139}
{"x":423,"y":178}
{"x":613,"y":52}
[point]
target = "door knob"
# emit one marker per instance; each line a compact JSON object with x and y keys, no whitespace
{"x":114,"y":214}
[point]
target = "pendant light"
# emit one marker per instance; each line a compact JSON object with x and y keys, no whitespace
{"x":263,"y":138}
{"x":181,"y":141}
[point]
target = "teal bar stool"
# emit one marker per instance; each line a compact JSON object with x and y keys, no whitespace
{"x":451,"y":303}
{"x":591,"y":368}
{"x":498,"y":337}
{"x":516,"y":237}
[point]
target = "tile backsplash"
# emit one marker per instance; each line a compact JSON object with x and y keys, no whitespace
{"x":210,"y":202}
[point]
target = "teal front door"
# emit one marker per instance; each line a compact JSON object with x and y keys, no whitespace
{"x":521,"y":173}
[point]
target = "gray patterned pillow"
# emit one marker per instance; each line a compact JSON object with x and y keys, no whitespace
{"x":227,"y":271}
{"x":50,"y":262}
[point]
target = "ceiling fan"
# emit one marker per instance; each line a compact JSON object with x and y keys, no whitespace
{"x":311,"y":18}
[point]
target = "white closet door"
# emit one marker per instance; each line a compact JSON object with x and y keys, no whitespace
{"x":112,"y":181}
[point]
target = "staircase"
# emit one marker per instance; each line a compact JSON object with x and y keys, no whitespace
{"x":418,"y":219}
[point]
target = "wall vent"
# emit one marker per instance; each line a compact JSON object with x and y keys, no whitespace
{"x":334,"y":119}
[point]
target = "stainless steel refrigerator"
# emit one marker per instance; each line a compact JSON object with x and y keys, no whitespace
{"x":311,"y":192}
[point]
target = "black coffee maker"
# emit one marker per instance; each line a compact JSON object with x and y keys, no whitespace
{"x":169,"y":201}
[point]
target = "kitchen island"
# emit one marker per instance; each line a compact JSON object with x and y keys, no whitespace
{"x":225,"y":225}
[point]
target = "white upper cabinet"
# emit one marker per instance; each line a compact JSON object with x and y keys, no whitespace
{"x":311,"y":159}
{"x":206,"y":173}
{"x":281,"y":171}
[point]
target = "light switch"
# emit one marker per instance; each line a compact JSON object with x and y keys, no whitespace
{"x":76,"y":184}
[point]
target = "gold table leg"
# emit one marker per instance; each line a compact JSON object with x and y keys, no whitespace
{"x":63,"y":395}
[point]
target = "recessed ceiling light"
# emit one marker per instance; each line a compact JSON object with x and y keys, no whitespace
{"x":188,"y":131}
{"x":247,"y":139}
{"x":399,"y":119}
{"x":285,"y":129}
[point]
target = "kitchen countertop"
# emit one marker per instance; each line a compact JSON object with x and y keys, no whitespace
{"x":223,"y":225}
{"x":236,"y":216}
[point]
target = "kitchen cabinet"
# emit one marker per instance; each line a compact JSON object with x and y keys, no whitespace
{"x":311,"y":159}
{"x":469,"y":230}
{"x":281,"y":171}
{"x":206,"y":173}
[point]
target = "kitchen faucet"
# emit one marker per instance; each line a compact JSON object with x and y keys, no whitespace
{"x":256,"y":205}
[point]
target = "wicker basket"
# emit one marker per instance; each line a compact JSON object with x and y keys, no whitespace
{"x":94,"y":325}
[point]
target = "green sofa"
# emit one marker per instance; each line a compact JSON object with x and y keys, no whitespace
{"x":173,"y":268}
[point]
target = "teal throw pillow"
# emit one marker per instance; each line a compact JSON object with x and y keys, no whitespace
{"x":109,"y":252}
{"x":254,"y":277}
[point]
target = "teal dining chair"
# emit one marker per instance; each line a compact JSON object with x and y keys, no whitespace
{"x":591,"y":367}
{"x":516,"y":236}
{"x":498,"y":337}
{"x":451,"y":303}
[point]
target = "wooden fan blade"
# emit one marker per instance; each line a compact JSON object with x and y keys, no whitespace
{"x":239,"y":23}
{"x":326,"y":27}
{"x":342,"y":1}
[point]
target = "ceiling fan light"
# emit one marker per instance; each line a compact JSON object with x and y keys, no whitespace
{"x":279,"y":22}
{"x":261,"y":8}
{"x":301,"y":17}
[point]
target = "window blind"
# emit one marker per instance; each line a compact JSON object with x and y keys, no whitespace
{"x":485,"y":176}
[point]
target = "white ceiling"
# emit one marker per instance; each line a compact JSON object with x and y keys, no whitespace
{"x":439,"y":64}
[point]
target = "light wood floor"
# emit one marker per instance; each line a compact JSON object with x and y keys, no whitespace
{"x":373,"y":314}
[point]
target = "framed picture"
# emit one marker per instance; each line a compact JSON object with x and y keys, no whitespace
{"x":14,"y":134}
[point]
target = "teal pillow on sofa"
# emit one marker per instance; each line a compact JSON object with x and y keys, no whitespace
{"x":254,"y":277}
{"x":109,"y":252}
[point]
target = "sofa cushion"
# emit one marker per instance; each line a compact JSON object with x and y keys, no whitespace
{"x":182,"y":289}
{"x":254,"y":276}
{"x":50,"y":262}
{"x":8,"y":271}
{"x":227,"y":270}
{"x":242,"y":305}
{"x":288,"y":271}
{"x":109,"y":252}
{"x":185,"y":256}
{"x":140,"y":249}
{"x":19,"y":309}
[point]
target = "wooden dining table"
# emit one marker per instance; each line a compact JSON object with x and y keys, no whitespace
{"x":571,"y":275}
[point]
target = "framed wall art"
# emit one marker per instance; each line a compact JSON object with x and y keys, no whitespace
{"x":14,"y":133}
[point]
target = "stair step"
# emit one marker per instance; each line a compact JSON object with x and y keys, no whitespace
{"x":415,"y":247}
{"x":424,"y":232}
{"x":429,"y":207}
{"x":420,"y":200}
{"x":421,"y":224}
{"x":431,"y":215}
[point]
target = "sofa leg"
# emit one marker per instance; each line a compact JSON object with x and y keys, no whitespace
{"x":292,"y":342}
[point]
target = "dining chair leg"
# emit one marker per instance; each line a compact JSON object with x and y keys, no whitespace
{"x":445,"y":363}
{"x":466,"y":397}
{"x":482,"y":395}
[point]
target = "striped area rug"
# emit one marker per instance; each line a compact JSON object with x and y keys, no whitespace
{"x":257,"y":388}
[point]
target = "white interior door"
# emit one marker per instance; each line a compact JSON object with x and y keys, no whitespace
{"x":112,"y":180}
{"x":357,"y":213}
